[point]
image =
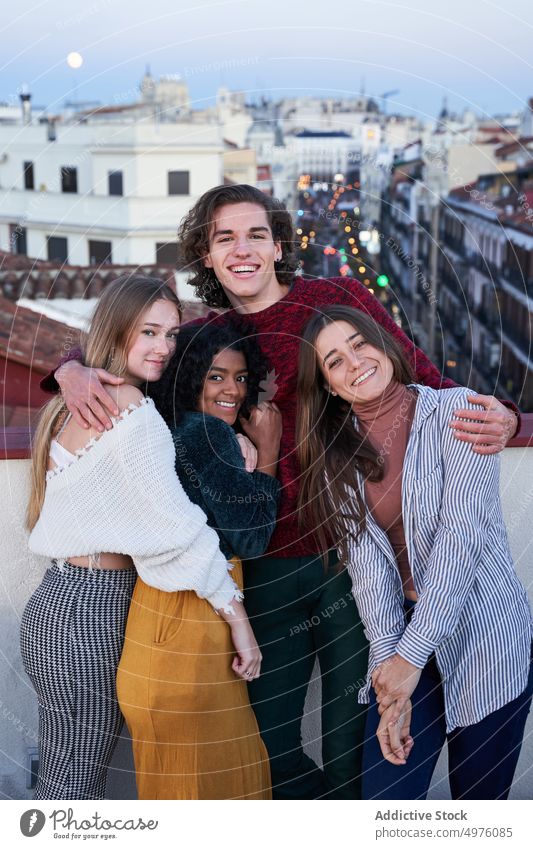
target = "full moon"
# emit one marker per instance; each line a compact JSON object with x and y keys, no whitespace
{"x":74,"y":60}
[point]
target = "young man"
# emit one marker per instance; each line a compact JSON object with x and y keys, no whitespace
{"x":238,"y":245}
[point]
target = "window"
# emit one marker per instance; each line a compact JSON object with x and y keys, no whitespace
{"x":69,"y":180}
{"x":57,"y":249}
{"x":114,"y":179}
{"x":166,"y":253}
{"x":178,"y":182}
{"x":17,"y":238}
{"x":100,"y":253}
{"x":29,"y":182}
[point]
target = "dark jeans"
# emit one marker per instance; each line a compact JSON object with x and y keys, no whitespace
{"x":299,"y":612}
{"x":482,"y":758}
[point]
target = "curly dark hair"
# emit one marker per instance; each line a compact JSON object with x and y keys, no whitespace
{"x":181,"y":385}
{"x":193,"y":238}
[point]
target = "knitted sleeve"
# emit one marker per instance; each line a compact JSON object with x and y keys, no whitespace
{"x":173,"y":548}
{"x":241,"y":506}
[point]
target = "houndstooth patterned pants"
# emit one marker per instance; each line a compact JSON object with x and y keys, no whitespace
{"x":72,"y":631}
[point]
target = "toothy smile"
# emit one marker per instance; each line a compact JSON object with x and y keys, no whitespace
{"x":243,"y":269}
{"x":364,"y":376}
{"x":229,"y":404}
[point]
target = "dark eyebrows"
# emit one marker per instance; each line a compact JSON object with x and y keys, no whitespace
{"x":334,"y":350}
{"x":225,"y":370}
{"x":261,"y":229}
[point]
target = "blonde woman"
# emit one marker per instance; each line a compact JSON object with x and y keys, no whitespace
{"x":101,"y":504}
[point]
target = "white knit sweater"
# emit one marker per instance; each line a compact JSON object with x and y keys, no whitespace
{"x":122,"y":495}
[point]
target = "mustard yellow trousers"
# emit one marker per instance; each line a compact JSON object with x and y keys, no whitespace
{"x":193,"y":731}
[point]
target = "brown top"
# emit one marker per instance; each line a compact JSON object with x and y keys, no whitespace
{"x":387,"y":421}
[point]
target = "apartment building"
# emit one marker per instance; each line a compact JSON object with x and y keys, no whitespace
{"x":89,"y":192}
{"x":485,"y":279}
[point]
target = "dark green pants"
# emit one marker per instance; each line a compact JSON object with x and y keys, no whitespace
{"x":300,"y":612}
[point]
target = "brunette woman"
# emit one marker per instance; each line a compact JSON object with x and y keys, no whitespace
{"x":418,"y":519}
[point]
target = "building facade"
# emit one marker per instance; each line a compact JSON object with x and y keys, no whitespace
{"x":485,"y":279}
{"x":103,"y":192}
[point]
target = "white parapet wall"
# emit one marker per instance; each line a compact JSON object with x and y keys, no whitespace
{"x":20,"y":573}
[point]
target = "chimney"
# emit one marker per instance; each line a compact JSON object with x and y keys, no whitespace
{"x":25,"y":100}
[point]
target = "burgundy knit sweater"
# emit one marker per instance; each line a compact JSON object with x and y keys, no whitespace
{"x":278,"y":331}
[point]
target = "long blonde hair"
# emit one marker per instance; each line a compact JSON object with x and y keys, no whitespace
{"x":106,"y":346}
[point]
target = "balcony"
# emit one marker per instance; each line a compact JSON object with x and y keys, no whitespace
{"x":21,"y":573}
{"x":92,"y":212}
{"x":453,"y":284}
{"x":516,"y":335}
{"x":516,"y":278}
{"x":489,"y":269}
{"x":456,"y":244}
{"x":489,"y":318}
{"x":492,"y":374}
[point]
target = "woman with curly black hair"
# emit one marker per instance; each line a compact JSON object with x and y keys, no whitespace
{"x":194,"y":733}
{"x":211,"y":387}
{"x":197,"y":345}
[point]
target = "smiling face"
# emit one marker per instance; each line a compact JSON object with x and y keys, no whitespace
{"x":242,"y":254}
{"x":353,"y":369}
{"x":225,"y":386}
{"x":153,"y":342}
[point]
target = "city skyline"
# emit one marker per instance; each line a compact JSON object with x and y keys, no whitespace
{"x":476,"y":57}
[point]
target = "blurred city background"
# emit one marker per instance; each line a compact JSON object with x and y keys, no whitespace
{"x":399,"y":136}
{"x":433,"y":215}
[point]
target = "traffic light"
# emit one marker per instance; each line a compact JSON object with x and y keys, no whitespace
{"x":382,"y":280}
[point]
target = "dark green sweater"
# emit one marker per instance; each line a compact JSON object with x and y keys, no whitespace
{"x":240,"y":506}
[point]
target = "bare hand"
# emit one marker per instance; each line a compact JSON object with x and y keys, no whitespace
{"x":394,"y":682}
{"x":248,"y":451}
{"x":488,"y":430}
{"x":393,"y":735}
{"x":264,"y":426}
{"x":247,"y":662}
{"x":85,"y":396}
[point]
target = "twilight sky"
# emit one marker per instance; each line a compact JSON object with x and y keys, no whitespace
{"x":478,"y":53}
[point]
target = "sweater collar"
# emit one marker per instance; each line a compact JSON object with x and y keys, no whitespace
{"x":383,"y":408}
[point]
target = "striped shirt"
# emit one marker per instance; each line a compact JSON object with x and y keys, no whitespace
{"x":472,"y":610}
